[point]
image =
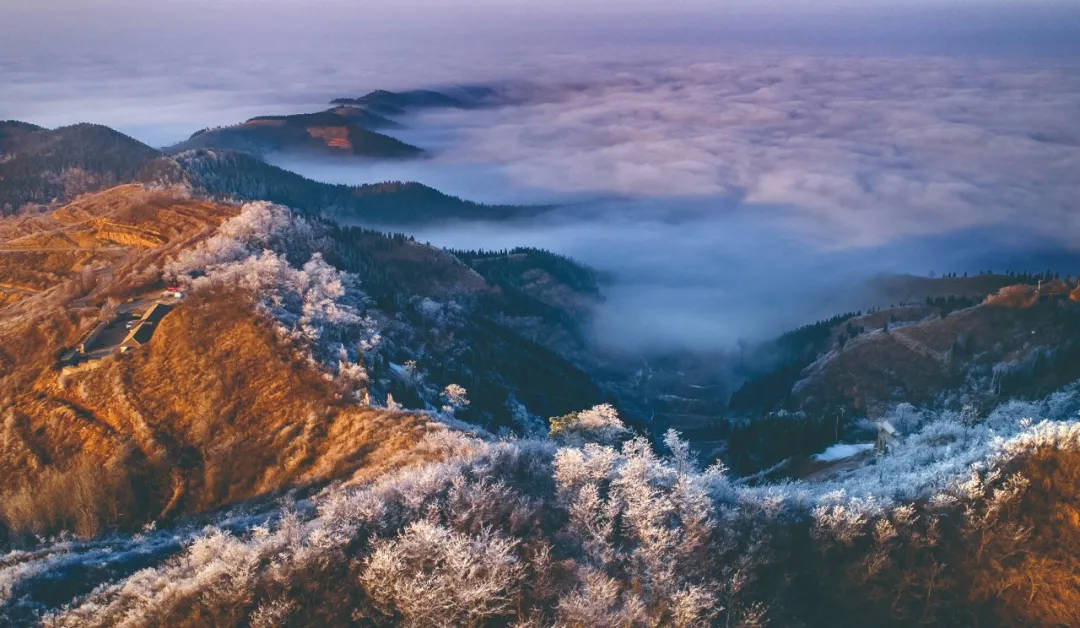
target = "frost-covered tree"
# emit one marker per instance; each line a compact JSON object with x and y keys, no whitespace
{"x":599,"y":424}
{"x":430,"y":575}
{"x":313,"y":304}
{"x":529,"y":424}
{"x":455,"y":397}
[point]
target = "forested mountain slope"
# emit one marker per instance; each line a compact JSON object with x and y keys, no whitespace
{"x":40,"y":166}
{"x":244,"y":177}
{"x":41,"y":169}
{"x":954,"y":353}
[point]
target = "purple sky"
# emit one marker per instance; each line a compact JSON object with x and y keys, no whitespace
{"x":163,"y":69}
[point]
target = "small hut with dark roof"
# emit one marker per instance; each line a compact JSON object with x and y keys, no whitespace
{"x":141,"y":333}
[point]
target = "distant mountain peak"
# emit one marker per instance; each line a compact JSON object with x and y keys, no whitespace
{"x":386,"y":102}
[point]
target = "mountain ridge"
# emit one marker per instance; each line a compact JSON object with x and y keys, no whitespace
{"x":328,"y":132}
{"x":33,"y":173}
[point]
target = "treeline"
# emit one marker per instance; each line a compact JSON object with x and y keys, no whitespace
{"x":506,"y":266}
{"x":951,"y":303}
{"x":1024,"y":276}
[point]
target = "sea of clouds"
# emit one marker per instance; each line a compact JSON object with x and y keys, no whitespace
{"x":863,"y":150}
{"x":738,"y":195}
{"x":733,"y":175}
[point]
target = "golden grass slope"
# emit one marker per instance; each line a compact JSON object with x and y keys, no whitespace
{"x":212,"y":410}
{"x":100,"y":232}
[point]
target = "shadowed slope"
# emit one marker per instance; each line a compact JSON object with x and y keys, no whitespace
{"x":242,"y":176}
{"x":42,"y":167}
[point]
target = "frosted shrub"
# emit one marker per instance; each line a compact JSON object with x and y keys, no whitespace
{"x":680,"y":451}
{"x":600,"y":424}
{"x":597,"y":534}
{"x":529,"y":424}
{"x":455,"y":398}
{"x":633,"y":513}
{"x":693,"y":606}
{"x":838,"y":523}
{"x":258,"y":226}
{"x":272,"y":613}
{"x":600,"y":601}
{"x":316,"y":306}
{"x":430,"y":575}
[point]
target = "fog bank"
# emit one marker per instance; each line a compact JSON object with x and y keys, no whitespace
{"x":706,"y":283}
{"x":739,"y":197}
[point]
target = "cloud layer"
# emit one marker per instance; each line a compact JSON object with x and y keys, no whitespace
{"x":742,"y":195}
{"x":861,"y":150}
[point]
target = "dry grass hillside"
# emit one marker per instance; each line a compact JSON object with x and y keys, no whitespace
{"x":212,"y":410}
{"x":976,"y":352}
{"x":114,"y":233}
{"x":59,"y":275}
{"x":1039,"y":584}
{"x":159,"y":211}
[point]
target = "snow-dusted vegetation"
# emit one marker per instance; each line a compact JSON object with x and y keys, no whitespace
{"x":315,"y":305}
{"x":543,"y":532}
{"x":363,"y":304}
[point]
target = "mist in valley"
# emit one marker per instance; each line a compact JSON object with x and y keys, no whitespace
{"x":734,"y":199}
